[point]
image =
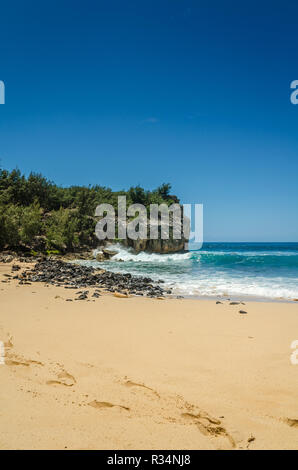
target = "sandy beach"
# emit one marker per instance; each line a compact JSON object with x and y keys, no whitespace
{"x":138,"y":373}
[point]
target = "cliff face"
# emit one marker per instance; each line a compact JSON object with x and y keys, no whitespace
{"x":156,"y":246}
{"x":165,"y":243}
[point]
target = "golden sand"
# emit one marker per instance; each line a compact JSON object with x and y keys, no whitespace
{"x":137,"y":373}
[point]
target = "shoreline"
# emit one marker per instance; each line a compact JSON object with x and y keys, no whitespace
{"x":176,"y":291}
{"x":244,"y":298}
{"x":144,"y":373}
{"x":233,"y":297}
{"x":164,"y":287}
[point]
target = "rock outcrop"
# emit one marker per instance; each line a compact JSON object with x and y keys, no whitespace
{"x":166,"y":241}
{"x":156,"y":246}
{"x":74,"y":276}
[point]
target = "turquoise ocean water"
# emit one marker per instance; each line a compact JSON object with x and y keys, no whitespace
{"x":237,"y":270}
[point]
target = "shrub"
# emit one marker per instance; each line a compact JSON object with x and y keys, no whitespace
{"x":61,"y":230}
{"x":10,"y":216}
{"x":30,"y":222}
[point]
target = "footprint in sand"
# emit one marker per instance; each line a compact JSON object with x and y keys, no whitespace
{"x":208,"y":426}
{"x":8,"y":344}
{"x":293,"y":423}
{"x":14,"y":360}
{"x":63,"y":378}
{"x":106,"y":404}
{"x":130,"y":383}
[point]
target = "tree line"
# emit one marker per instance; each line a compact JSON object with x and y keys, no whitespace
{"x":37,"y":214}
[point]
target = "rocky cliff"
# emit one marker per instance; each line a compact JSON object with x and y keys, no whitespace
{"x":164,"y":243}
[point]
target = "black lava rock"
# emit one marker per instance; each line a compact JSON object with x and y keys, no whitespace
{"x":74,"y":276}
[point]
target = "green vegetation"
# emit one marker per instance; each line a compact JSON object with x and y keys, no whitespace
{"x":38,"y":215}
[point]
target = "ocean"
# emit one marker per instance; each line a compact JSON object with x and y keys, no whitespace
{"x":260,"y":271}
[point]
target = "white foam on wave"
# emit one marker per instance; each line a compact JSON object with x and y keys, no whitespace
{"x":245,"y":253}
{"x":186,"y":277}
{"x":269,"y":289}
{"x":127,"y":254}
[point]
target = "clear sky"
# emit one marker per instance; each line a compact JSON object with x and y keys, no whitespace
{"x":195,"y":93}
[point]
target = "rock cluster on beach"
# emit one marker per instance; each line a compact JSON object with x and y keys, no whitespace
{"x":73,"y":276}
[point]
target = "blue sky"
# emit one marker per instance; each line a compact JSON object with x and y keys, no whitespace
{"x":195,"y":93}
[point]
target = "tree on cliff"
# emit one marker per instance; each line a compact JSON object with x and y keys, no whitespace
{"x":37,"y":214}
